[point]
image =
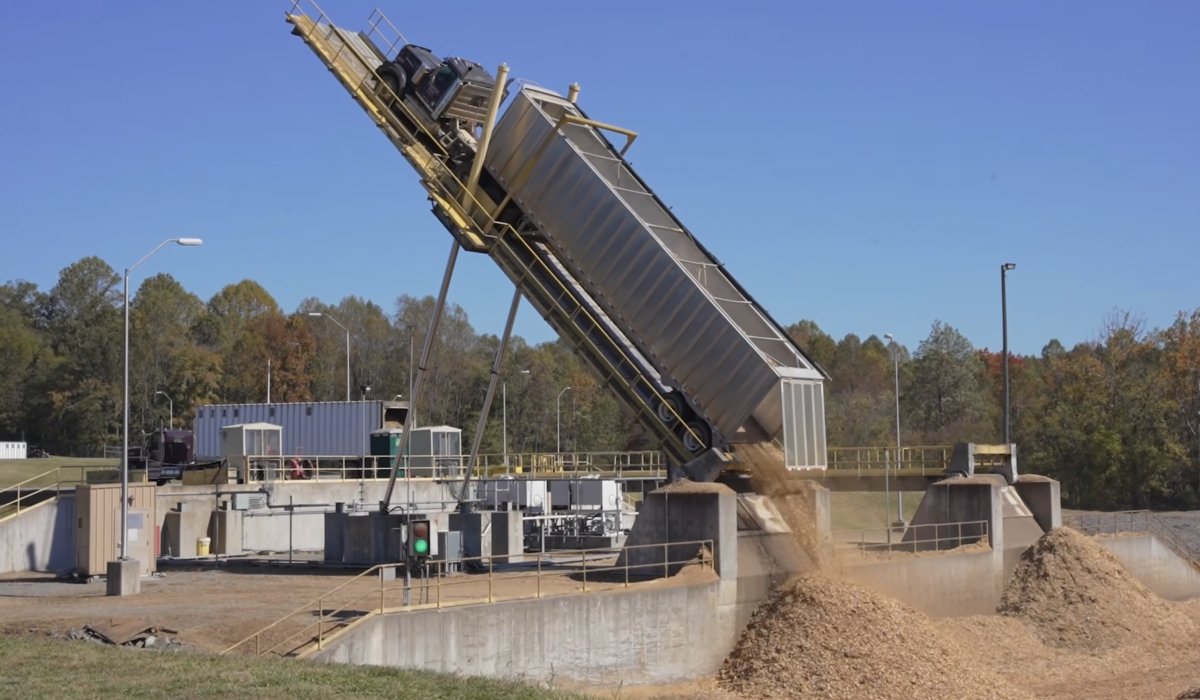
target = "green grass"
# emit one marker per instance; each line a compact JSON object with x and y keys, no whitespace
{"x":37,"y":669}
{"x":14,"y":471}
{"x":856,"y":510}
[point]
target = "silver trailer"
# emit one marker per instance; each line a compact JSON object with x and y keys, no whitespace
{"x":317,"y":428}
{"x":713,"y":345}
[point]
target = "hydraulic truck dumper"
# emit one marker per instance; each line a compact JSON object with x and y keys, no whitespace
{"x":661,"y":323}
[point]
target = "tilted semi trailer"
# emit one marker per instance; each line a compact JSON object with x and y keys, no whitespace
{"x":662,"y":324}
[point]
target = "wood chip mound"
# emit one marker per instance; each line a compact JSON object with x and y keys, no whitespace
{"x":688,"y":486}
{"x":821,"y":638}
{"x":1075,"y":594}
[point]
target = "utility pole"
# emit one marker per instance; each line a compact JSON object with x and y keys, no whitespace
{"x":1004,"y":269}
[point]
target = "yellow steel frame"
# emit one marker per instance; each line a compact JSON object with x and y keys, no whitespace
{"x":441,"y":184}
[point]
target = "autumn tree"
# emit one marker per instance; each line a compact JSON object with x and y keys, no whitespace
{"x":946,"y":398}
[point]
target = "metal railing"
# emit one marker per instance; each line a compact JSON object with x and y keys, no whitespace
{"x":933,"y":537}
{"x":922,"y":460}
{"x":473,"y":589}
{"x":1132,"y":522}
{"x":22,"y":496}
{"x":317,"y":468}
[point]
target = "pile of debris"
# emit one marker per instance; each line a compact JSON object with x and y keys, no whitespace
{"x":1075,"y":594}
{"x":128,"y":633}
{"x":821,"y":638}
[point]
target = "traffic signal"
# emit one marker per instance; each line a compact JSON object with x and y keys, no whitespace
{"x":419,"y":534}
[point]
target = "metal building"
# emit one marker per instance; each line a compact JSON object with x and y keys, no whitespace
{"x":315,"y":428}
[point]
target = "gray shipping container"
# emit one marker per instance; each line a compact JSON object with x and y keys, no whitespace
{"x":317,"y":428}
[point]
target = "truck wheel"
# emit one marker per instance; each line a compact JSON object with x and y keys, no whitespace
{"x":394,"y":77}
{"x":671,"y":401}
{"x":690,"y":443}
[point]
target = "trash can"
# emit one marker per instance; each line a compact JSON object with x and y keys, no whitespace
{"x":202,"y":545}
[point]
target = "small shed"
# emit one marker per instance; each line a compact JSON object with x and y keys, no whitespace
{"x":254,"y":445}
{"x":436,"y":451}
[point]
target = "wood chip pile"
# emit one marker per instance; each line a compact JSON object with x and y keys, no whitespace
{"x":1075,"y":594}
{"x":821,"y":638}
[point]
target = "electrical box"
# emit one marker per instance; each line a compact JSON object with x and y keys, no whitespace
{"x":98,"y":527}
{"x":596,"y":494}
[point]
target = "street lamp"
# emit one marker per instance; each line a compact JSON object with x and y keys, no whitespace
{"x":365,"y":390}
{"x":331,"y":318}
{"x":558,"y":439}
{"x":1004,"y":269}
{"x":504,"y":402}
{"x":411,"y":408}
{"x":125,"y":420}
{"x":896,"y":364}
{"x":269,"y":370}
{"x":171,"y":409}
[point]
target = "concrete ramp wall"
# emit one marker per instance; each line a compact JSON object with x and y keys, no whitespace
{"x":41,"y":538}
{"x":1154,"y":564}
{"x":638,"y":637}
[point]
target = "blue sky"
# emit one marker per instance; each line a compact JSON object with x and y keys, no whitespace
{"x":865,"y":165}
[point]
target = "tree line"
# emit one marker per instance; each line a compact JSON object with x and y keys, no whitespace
{"x":1116,"y":419}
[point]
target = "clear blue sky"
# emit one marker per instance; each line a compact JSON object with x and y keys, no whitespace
{"x":864,"y":165}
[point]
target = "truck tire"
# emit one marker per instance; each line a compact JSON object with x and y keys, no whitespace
{"x":393,"y":76}
{"x":671,"y":401}
{"x":701,"y":429}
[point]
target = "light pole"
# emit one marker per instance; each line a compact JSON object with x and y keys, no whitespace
{"x":896,"y":365}
{"x":365,"y":390}
{"x":331,"y":318}
{"x":269,"y":370}
{"x":125,"y":419}
{"x":558,"y":438}
{"x":170,"y":409}
{"x":504,"y":412}
{"x":1004,"y":269}
{"x":411,"y":407}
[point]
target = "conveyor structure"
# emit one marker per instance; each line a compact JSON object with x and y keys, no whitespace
{"x":657,"y":318}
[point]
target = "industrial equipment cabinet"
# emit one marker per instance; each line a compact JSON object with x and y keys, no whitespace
{"x":98,"y":527}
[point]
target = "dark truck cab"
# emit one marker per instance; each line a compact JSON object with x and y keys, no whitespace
{"x":165,"y":455}
{"x":448,"y":89}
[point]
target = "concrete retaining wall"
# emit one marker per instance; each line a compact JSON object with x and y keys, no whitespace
{"x":41,"y":538}
{"x":1157,"y":567}
{"x":954,"y":585}
{"x":639,"y":637}
{"x":939,"y":585}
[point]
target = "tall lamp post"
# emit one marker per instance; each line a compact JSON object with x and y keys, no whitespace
{"x":170,"y":409}
{"x":411,"y":336}
{"x":558,"y":431}
{"x":504,"y":412}
{"x":269,"y":371}
{"x":125,"y":419}
{"x":1004,"y":269}
{"x":896,"y":365}
{"x":331,"y":318}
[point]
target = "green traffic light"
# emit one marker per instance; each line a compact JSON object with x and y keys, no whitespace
{"x":421,"y":546}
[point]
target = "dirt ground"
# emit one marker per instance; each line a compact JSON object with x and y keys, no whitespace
{"x":214,"y":609}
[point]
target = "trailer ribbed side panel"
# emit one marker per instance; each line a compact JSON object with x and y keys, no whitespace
{"x":669,"y":296}
{"x":334,"y":428}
